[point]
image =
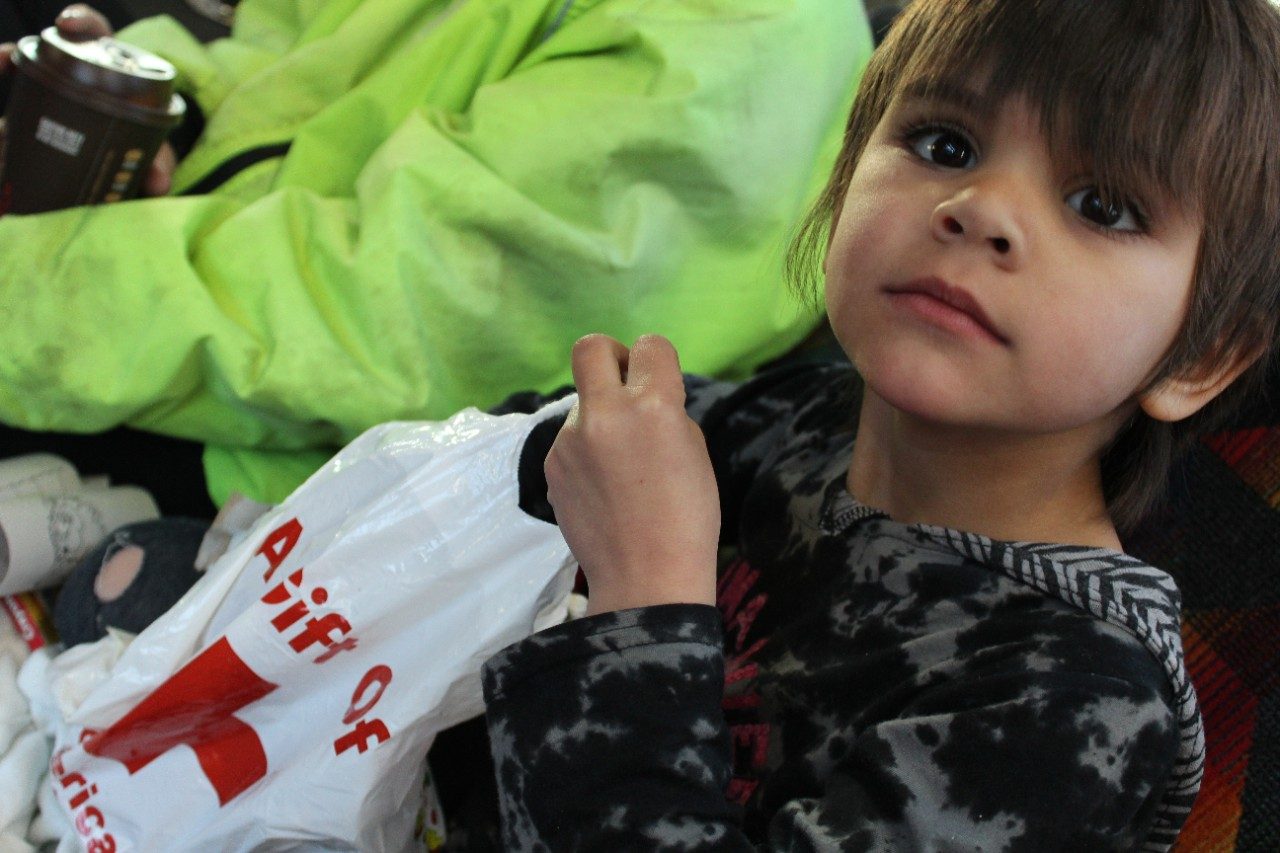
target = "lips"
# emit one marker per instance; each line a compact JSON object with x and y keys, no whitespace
{"x":931,"y":294}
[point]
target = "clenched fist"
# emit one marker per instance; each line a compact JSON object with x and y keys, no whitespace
{"x":631,"y":482}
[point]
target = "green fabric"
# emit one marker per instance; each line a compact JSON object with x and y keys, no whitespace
{"x":471,"y":186}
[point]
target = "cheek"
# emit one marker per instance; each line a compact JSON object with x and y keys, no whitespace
{"x":1133,"y":327}
{"x":856,"y":231}
{"x":871,"y":211}
{"x":1099,"y":356}
{"x":871,"y":221}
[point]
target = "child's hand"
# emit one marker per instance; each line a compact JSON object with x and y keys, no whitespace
{"x":631,"y":482}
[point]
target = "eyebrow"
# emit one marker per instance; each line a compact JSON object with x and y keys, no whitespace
{"x":943,"y":91}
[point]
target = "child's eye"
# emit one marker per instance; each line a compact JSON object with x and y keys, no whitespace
{"x":942,"y":146}
{"x":1106,"y":214}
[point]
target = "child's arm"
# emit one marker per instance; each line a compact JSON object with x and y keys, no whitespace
{"x":607,"y":734}
{"x":629,"y":465}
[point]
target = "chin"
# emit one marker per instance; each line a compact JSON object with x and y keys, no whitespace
{"x":925,"y":400}
{"x":931,"y":389}
{"x":923,"y":403}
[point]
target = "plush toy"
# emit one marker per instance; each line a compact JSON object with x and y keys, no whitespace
{"x":142,"y":569}
{"x":129,"y":579}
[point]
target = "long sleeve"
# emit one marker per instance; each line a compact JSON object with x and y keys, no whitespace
{"x":607,"y":734}
{"x":466,"y":190}
{"x":627,"y":749}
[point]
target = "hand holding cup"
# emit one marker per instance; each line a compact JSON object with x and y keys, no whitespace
{"x":77,"y":24}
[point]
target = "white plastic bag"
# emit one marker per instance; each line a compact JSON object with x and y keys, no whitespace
{"x":288,"y":700}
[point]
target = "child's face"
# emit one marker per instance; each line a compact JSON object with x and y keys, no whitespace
{"x":1081,"y":300}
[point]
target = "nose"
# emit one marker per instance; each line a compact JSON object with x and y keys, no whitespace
{"x":983,"y":214}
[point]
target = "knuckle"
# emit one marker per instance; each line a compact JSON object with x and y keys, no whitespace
{"x":661,"y":410}
{"x":674,"y":392}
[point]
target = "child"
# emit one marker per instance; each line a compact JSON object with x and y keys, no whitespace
{"x":1052,"y":254}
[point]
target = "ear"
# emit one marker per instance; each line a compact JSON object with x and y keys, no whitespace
{"x":1177,"y":397}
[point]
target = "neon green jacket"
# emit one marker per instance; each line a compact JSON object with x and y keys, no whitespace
{"x":471,"y":185}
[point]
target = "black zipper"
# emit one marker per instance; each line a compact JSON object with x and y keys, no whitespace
{"x":234,"y":166}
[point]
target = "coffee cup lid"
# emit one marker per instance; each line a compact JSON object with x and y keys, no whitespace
{"x":106,"y":65}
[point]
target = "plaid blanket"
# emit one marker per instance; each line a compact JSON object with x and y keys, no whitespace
{"x":1219,"y":537}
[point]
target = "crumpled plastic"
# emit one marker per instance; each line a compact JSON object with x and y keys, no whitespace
{"x":287,"y":702}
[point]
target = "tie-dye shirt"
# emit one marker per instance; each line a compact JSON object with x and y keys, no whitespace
{"x":861,"y":685}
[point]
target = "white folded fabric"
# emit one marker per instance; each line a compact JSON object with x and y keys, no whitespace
{"x":24,"y":751}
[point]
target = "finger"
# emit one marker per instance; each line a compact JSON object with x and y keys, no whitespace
{"x":599,"y":364}
{"x":82,"y":23}
{"x":6,"y":57}
{"x":655,"y":365}
{"x":159,"y":178}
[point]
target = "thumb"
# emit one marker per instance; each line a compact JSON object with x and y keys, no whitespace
{"x":82,"y":23}
{"x":159,"y":177}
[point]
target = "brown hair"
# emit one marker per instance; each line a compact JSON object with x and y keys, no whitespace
{"x":1172,"y":98}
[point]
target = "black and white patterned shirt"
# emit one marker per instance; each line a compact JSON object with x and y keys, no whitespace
{"x":861,"y":685}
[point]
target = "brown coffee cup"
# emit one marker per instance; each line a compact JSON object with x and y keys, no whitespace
{"x":84,"y":122}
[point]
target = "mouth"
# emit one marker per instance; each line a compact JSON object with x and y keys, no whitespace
{"x":943,"y":304}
